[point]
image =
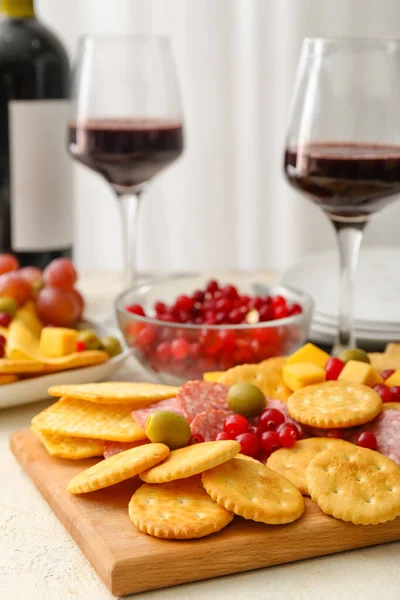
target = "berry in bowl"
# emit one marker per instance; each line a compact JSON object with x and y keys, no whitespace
{"x":181,"y":327}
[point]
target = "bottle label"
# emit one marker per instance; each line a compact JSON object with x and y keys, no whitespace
{"x":40,"y":174}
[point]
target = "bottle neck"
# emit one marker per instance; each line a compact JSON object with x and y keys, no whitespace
{"x":18,"y":9}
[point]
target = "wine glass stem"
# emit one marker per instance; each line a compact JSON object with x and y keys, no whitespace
{"x":349,"y":237}
{"x":128,"y":210}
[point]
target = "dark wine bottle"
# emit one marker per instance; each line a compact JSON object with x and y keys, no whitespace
{"x":35,"y":182}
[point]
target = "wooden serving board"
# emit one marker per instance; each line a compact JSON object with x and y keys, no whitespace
{"x":129,"y":561}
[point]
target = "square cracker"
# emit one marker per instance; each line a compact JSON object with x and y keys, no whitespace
{"x":116,"y":392}
{"x":77,"y":418}
{"x":71,"y":448}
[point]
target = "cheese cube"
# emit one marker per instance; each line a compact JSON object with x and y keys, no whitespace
{"x":309,"y":354}
{"x":355,"y":371}
{"x":213,"y":376}
{"x":57,"y":341}
{"x":394,"y":379}
{"x":302,"y":374}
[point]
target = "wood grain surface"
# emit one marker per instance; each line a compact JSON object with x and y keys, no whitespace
{"x":129,"y":561}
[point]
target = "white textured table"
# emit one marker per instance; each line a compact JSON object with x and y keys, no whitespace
{"x":39,"y":561}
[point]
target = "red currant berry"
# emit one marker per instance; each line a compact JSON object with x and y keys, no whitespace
{"x":160,"y":307}
{"x":223,"y":305}
{"x":227,"y":338}
{"x":136,"y":309}
{"x":296,"y":428}
{"x":256,"y":429}
{"x":184,"y":303}
{"x":278,"y":301}
{"x":163,"y":351}
{"x":145,"y":336}
{"x":287,"y":437}
{"x":295,"y":309}
{"x":266,"y":313}
{"x":230,"y":292}
{"x":366,"y":440}
{"x":333,"y":368}
{"x":196,"y":438}
{"x":180,"y":348}
{"x":249,"y":444}
{"x":269,"y":441}
{"x":270,"y":419}
{"x":236,"y":424}
{"x":281,"y":312}
{"x":194,"y":350}
{"x":5,"y":319}
{"x":334,"y":433}
{"x":80,"y":346}
{"x":222,"y":435}
{"x":198,"y":296}
{"x":212,"y":286}
{"x":387,"y":373}
{"x":395,"y":391}
{"x":384,"y":392}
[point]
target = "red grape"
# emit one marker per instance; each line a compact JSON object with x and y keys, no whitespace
{"x":14,"y":285}
{"x":61,"y":274}
{"x":57,"y":307}
{"x":8,"y":262}
{"x":79,"y":299}
{"x":33,"y":276}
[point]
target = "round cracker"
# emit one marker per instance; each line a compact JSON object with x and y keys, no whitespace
{"x":356,"y":484}
{"x":251,"y":490}
{"x":334,"y":404}
{"x":177,"y":510}
{"x":267,"y":378}
{"x":119,"y":467}
{"x":192,"y":460}
{"x":292,"y":462}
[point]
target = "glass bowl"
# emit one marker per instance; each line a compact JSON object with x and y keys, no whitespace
{"x":208,"y":349}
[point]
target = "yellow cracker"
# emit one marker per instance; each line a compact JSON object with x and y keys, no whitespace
{"x":116,"y":392}
{"x":191,"y":460}
{"x":382,"y":361}
{"x":74,"y":360}
{"x":71,"y":448}
{"x":292,"y":462}
{"x":334,"y":404}
{"x":276,"y":362}
{"x":251,"y":490}
{"x":5,"y":379}
{"x":9,"y":366}
{"x":392,"y":405}
{"x":392,"y":349}
{"x":269,"y":380}
{"x":177,"y":510}
{"x":117,"y":468}
{"x":77,"y":418}
{"x":357,"y":485}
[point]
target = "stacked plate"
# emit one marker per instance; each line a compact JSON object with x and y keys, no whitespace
{"x":376,"y":294}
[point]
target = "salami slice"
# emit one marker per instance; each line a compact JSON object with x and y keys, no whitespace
{"x":209,"y":423}
{"x":196,"y":397}
{"x":386,"y":429}
{"x":111,"y":448}
{"x":141,"y":414}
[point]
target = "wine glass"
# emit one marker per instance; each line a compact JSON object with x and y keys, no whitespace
{"x":126,"y":119}
{"x":343,"y":144}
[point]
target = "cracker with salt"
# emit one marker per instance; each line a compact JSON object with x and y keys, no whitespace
{"x":252,"y":491}
{"x":117,"y":468}
{"x":268,"y":379}
{"x":357,"y":485}
{"x":334,"y":404}
{"x":77,"y":418}
{"x":191,"y":460}
{"x":177,"y":510}
{"x":69,"y":448}
{"x":116,"y":392}
{"x":292,"y":462}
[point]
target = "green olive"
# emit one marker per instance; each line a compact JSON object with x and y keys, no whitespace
{"x":246,"y":399}
{"x":8,"y":305}
{"x":354,"y":354}
{"x":111,"y":345}
{"x":168,"y":428}
{"x":90,"y":339}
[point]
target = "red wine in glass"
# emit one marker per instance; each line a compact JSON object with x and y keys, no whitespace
{"x":348,"y":180}
{"x":127,"y":152}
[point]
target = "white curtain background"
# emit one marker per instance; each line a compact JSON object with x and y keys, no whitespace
{"x":225,"y":203}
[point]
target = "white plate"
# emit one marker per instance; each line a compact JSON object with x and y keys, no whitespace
{"x":32,"y":390}
{"x":376,"y":290}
